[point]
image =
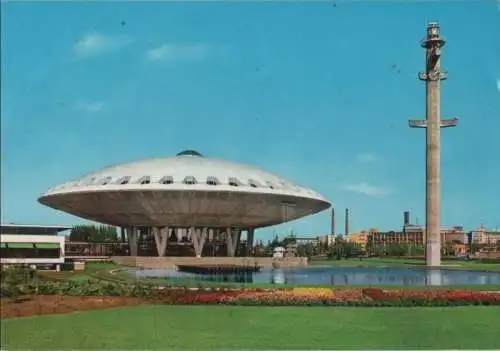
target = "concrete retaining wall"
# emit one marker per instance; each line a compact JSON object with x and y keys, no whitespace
{"x":172,"y":262}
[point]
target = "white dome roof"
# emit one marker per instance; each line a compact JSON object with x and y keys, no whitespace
{"x":184,"y":190}
{"x":188,"y":170}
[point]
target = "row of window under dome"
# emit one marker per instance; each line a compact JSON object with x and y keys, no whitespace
{"x":188,"y":180}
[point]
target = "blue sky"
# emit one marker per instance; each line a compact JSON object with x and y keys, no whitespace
{"x":316,"y":93}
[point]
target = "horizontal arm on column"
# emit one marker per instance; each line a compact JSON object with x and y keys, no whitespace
{"x":447,"y":123}
{"x":417,"y":123}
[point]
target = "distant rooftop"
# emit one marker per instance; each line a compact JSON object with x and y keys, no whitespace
{"x":31,"y":229}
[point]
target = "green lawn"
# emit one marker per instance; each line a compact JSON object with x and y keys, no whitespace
{"x":91,"y":269}
{"x":217,"y":327}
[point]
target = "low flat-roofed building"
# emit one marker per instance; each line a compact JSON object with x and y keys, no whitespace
{"x":304,"y":241}
{"x":396,"y":237}
{"x":31,"y":244}
{"x":412,"y":234}
{"x":328,"y":239}
{"x":360,"y":238}
{"x":485,"y":237}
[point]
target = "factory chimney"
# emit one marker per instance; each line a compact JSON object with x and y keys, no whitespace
{"x":346,"y":222}
{"x":332,"y":229}
{"x":406,"y":218}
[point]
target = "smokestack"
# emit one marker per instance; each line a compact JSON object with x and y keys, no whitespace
{"x":406,"y":218}
{"x":346,"y":221}
{"x":333,"y":222}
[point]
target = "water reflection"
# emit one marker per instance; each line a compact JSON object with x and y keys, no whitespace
{"x":278,"y":277}
{"x":339,"y":276}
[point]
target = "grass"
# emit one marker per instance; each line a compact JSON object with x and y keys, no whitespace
{"x":90,"y":271}
{"x":223,"y":327}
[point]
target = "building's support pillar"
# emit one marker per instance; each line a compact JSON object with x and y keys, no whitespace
{"x":198,"y":237}
{"x":250,"y":239}
{"x":232,"y":239}
{"x":238,"y":240}
{"x":132,"y":235}
{"x":161,"y":239}
{"x":122,"y":234}
{"x":176,"y":232}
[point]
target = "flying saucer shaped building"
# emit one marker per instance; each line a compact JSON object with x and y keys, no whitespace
{"x":189,"y":192}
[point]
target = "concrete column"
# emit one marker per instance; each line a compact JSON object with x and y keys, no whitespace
{"x":433,"y":227}
{"x":232,"y":238}
{"x":250,"y":239}
{"x":433,"y":44}
{"x":161,"y":239}
{"x":132,"y":235}
{"x":122,"y":234}
{"x":238,"y":240}
{"x":198,"y":236}
{"x":178,"y":233}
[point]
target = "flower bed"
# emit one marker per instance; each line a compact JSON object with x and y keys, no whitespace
{"x":338,"y":297}
{"x":433,"y":297}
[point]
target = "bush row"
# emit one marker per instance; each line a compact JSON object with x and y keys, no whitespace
{"x":20,"y":280}
{"x":76,"y":288}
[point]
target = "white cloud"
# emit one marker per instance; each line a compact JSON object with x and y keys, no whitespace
{"x":498,"y":81}
{"x":366,"y":189}
{"x":95,"y":44}
{"x":170,"y":52}
{"x":96,"y":106}
{"x":366,"y":157}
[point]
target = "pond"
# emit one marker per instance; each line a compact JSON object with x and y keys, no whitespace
{"x":336,"y":276}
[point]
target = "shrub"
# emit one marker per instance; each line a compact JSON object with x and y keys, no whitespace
{"x":16,"y":281}
{"x":24,"y":281}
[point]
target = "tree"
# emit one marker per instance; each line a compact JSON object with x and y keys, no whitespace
{"x":449,"y":249}
{"x":476,"y":247}
{"x":396,"y":249}
{"x":376,"y":249}
{"x":288,"y":240}
{"x":344,"y":249}
{"x":305,"y":250}
{"x":355,"y":250}
{"x":93,"y":233}
{"x":416,"y":250}
{"x":275,"y":243}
